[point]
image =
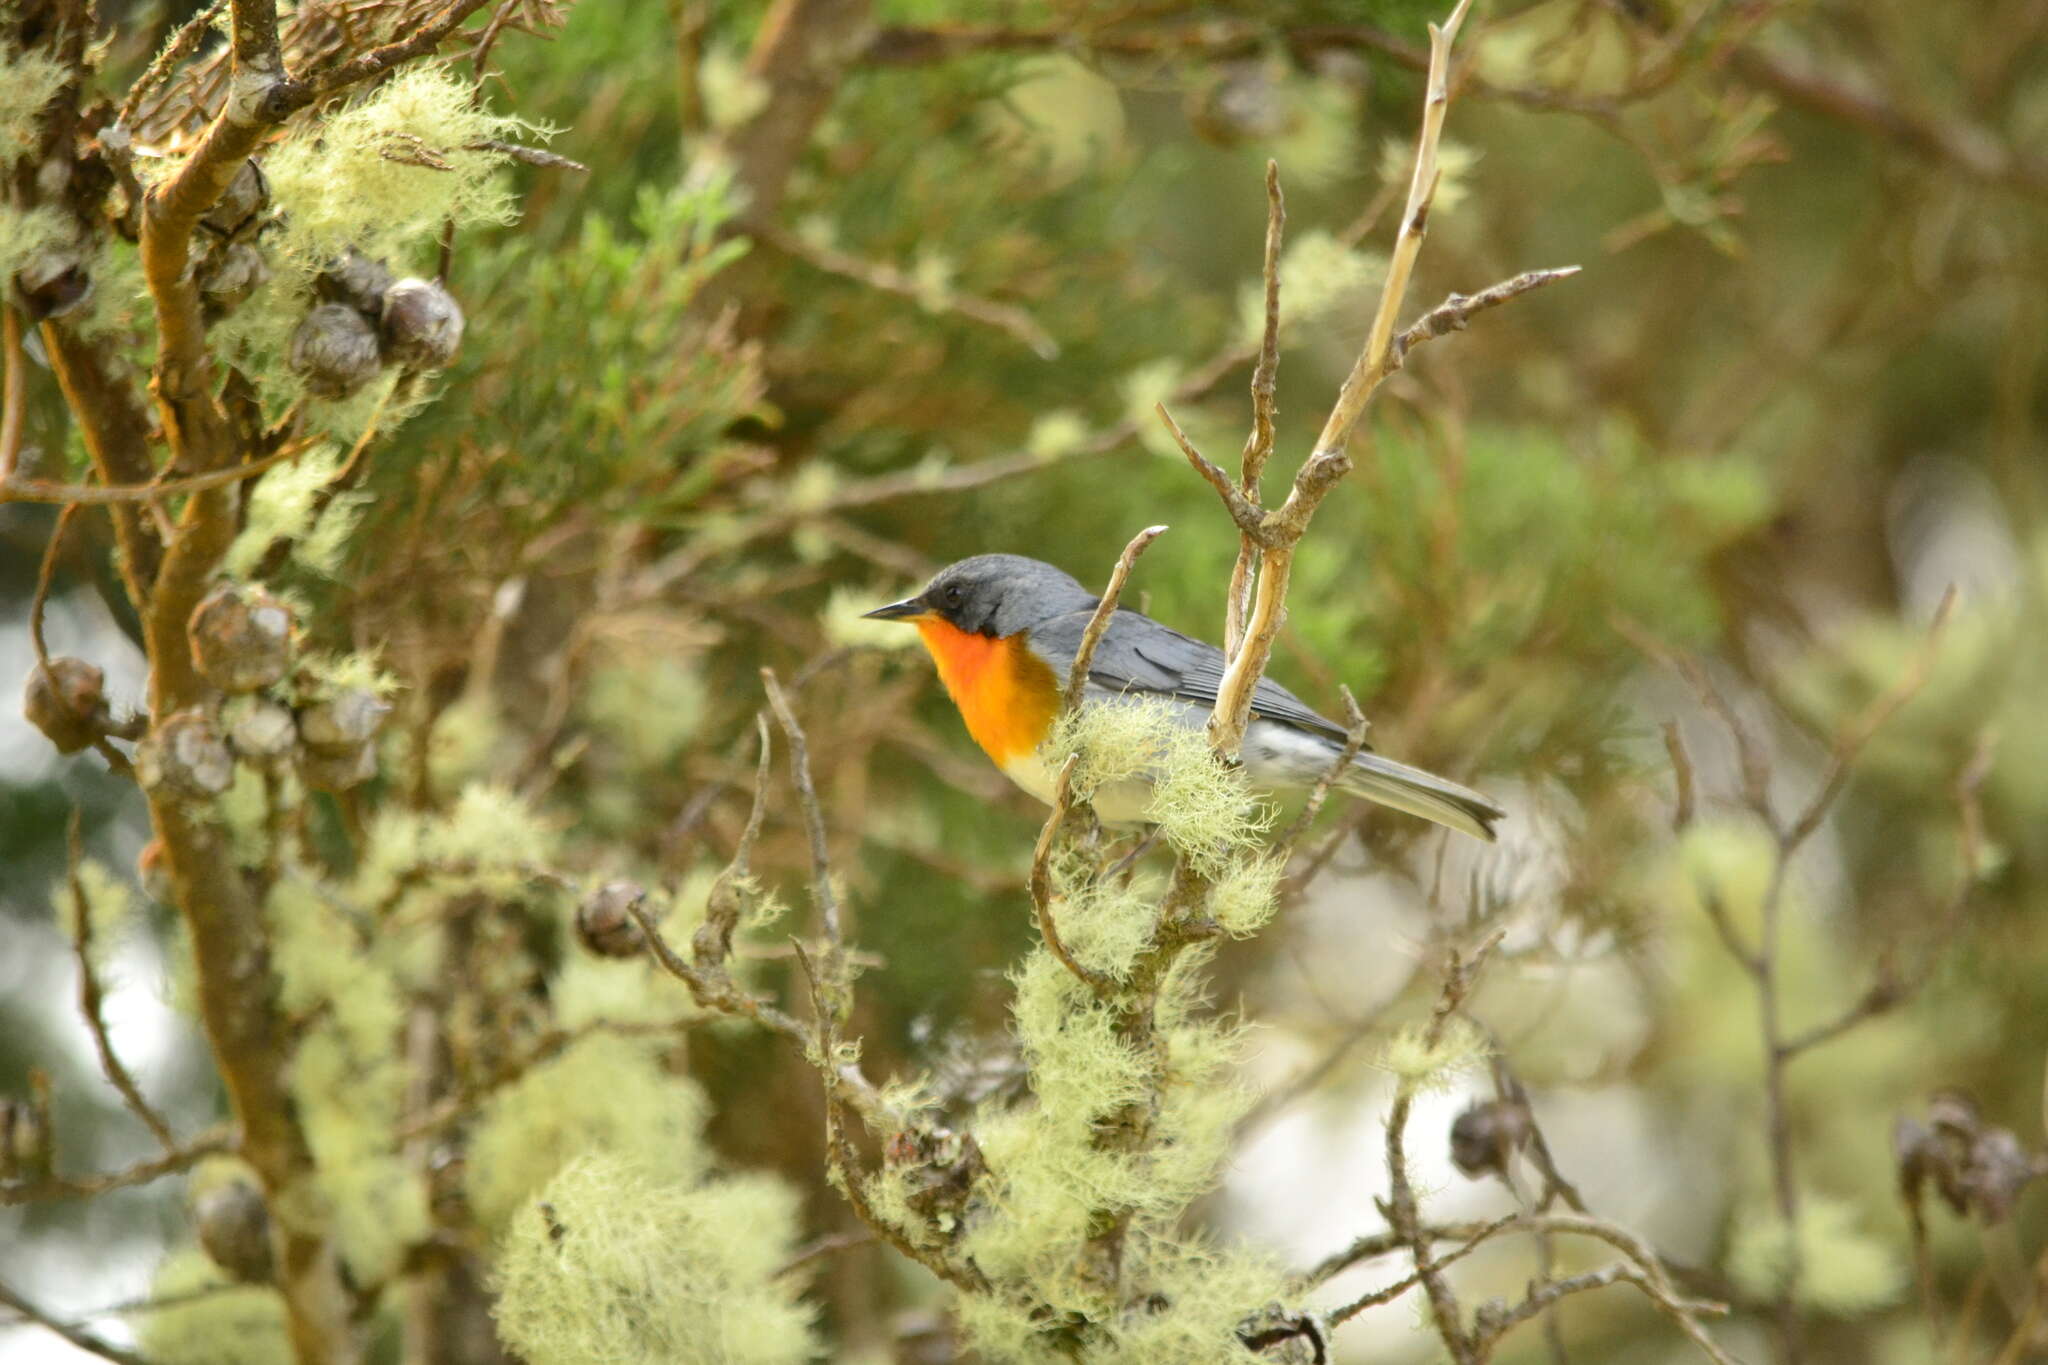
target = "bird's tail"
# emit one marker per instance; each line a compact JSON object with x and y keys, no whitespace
{"x":1420,"y":793}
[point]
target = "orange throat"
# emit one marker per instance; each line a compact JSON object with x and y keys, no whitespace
{"x":1006,"y":694}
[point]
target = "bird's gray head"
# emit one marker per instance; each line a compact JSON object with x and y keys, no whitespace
{"x":995,"y":595}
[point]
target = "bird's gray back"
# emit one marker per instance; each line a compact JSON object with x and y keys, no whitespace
{"x":1137,"y":654}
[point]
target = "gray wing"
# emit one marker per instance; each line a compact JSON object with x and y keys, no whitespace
{"x":1138,"y":654}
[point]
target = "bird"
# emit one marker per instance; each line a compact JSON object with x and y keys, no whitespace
{"x":1004,"y":630}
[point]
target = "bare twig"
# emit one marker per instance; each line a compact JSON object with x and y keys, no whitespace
{"x":814,"y":818}
{"x":1495,"y":1324}
{"x":1401,"y":1286}
{"x":1681,"y":772}
{"x":1041,"y":877}
{"x":1402,"y":1209}
{"x":210,"y":1143}
{"x":13,"y":391}
{"x":1105,"y":611}
{"x":1258,"y":446}
{"x":93,"y":495}
{"x":1851,"y":741}
{"x":829,"y":1245}
{"x":90,"y":1342}
{"x":183,"y":44}
{"x":1355,"y":729}
{"x":90,"y":997}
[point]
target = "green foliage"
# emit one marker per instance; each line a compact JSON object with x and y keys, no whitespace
{"x":618,"y":1263}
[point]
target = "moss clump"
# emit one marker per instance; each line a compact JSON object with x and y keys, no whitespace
{"x":1425,"y":1065}
{"x":1840,"y":1267}
{"x":28,"y":82}
{"x":1203,"y":807}
{"x":605,"y":1095}
{"x":613,"y":1263}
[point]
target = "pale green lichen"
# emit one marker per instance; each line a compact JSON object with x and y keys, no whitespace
{"x":209,"y":1321}
{"x":28,"y":82}
{"x":1423,"y":1064}
{"x":843,"y":625}
{"x":604,"y":1095}
{"x":732,"y":94}
{"x":1204,"y":808}
{"x":622,"y":1264}
{"x":107,"y":909}
{"x":352,"y":179}
{"x":27,"y":233}
{"x":1319,"y":276}
{"x":1057,"y":433}
{"x":1144,"y":389}
{"x":1247,"y":895}
{"x":1840,"y":1267}
{"x":648,"y":703}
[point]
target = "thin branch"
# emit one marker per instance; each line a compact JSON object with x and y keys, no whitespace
{"x":878,"y":275}
{"x":1401,"y":1286}
{"x":1402,"y":1208}
{"x":94,"y":495}
{"x":89,"y":1342}
{"x":1246,"y":512}
{"x":210,"y":1143}
{"x":1422,"y":183}
{"x":829,"y":1245}
{"x":90,"y":997}
{"x":1681,"y":773}
{"x":1105,"y":610}
{"x":1041,"y":878}
{"x":1851,"y":741}
{"x":182,"y":45}
{"x":13,"y":391}
{"x":1355,"y":729}
{"x":1258,"y":446}
{"x":1495,"y":1324}
{"x":814,"y":818}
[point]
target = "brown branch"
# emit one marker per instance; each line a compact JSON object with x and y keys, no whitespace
{"x":1496,"y":1323}
{"x":1681,"y":773}
{"x":1041,"y":878}
{"x":1246,"y":512}
{"x":14,"y":395}
{"x":1258,"y":446}
{"x":1328,"y":462}
{"x":1471,"y":1243}
{"x":1105,"y":611}
{"x":116,"y":430}
{"x":91,"y":997}
{"x":89,"y":1342}
{"x":182,"y":45}
{"x":210,"y":1143}
{"x":1979,"y":153}
{"x":95,"y":495}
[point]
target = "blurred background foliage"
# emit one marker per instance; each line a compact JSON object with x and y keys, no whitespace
{"x":695,"y":429}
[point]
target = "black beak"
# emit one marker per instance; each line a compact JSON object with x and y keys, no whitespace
{"x":906,"y":610}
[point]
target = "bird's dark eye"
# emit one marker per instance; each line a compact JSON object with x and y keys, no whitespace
{"x":953,"y":596}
